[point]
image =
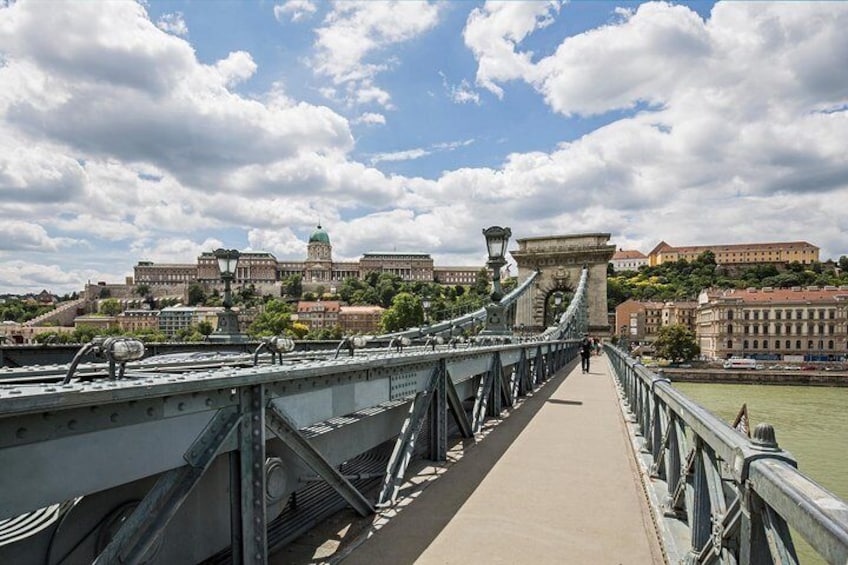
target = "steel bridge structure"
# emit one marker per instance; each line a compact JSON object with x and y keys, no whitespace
{"x":226,"y":460}
{"x":180,"y":462}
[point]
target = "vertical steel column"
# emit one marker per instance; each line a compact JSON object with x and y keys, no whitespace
{"x":700,"y":526}
{"x":495,"y":404}
{"x":439,"y":416}
{"x":251,"y":546}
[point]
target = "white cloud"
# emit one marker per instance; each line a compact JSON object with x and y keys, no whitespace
{"x":176,"y":250}
{"x":105,"y":58}
{"x":297,"y":9}
{"x":417,"y":153}
{"x":354,"y":31}
{"x":493,"y":33}
{"x":406,"y":155}
{"x":283,"y":243}
{"x":173,"y":23}
{"x":371,"y":118}
{"x":22,"y":277}
{"x":461,"y":93}
{"x":237,"y":67}
{"x":24,"y":236}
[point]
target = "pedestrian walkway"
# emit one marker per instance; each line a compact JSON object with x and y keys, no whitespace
{"x":555,"y":482}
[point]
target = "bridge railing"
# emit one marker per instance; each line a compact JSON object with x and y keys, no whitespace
{"x":466,"y":321}
{"x":143,"y":462}
{"x":736,"y":497}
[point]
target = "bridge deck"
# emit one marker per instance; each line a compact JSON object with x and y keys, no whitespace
{"x":555,"y":482}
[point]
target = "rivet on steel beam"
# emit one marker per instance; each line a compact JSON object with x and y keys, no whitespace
{"x":21,"y":433}
{"x":114,"y":417}
{"x":72,"y":425}
{"x":150,"y":411}
{"x":208,"y":402}
{"x":181,"y":406}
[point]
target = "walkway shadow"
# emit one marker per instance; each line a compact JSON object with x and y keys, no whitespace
{"x":407,"y":535}
{"x":568,"y":402}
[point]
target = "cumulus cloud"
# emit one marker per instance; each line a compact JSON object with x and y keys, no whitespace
{"x":724,"y":113}
{"x":173,"y":23}
{"x":111,"y":58}
{"x":24,"y":236}
{"x":174,"y":250}
{"x":708,"y":124}
{"x":493,"y":33}
{"x":297,"y":10}
{"x":354,"y":31}
{"x":22,"y":277}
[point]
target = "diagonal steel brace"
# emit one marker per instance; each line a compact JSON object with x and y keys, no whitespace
{"x":405,"y":444}
{"x":284,"y":428}
{"x":150,"y":518}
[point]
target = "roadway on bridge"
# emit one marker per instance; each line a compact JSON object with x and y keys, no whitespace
{"x":555,"y":482}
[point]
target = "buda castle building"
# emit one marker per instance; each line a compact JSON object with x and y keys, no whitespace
{"x":265,"y":272}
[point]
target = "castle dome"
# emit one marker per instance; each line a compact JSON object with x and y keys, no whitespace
{"x":319,"y":236}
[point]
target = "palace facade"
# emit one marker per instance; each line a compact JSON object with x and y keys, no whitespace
{"x":265,"y":272}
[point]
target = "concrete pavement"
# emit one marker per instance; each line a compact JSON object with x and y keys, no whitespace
{"x":555,"y":482}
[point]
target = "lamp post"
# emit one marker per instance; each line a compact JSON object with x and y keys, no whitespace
{"x":496,"y":241}
{"x":228,"y":327}
{"x":425,"y":304}
{"x":557,"y":304}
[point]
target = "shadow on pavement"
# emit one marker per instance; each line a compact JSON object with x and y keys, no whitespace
{"x":404,"y":537}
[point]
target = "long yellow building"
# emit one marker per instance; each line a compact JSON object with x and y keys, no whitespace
{"x":739,"y":253}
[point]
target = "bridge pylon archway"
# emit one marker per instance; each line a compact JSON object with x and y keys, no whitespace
{"x":560,"y":260}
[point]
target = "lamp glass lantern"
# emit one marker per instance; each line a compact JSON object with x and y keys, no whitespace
{"x":227,"y":261}
{"x":496,"y":241}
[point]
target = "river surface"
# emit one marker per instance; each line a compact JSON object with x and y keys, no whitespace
{"x":810,"y":422}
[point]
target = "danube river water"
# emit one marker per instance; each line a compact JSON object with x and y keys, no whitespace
{"x":810,"y":422}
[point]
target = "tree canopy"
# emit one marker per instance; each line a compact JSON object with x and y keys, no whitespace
{"x":676,"y":342}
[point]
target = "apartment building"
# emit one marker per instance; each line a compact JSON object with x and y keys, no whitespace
{"x":628,"y":260}
{"x":796,"y":324}
{"x":319,"y":314}
{"x":641,"y":320}
{"x":360,"y":319}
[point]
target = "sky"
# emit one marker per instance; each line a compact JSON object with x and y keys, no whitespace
{"x":156,"y":131}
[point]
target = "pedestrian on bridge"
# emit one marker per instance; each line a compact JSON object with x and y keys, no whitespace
{"x":585,"y":353}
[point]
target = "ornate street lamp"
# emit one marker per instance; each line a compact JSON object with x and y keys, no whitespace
{"x":497,"y":239}
{"x":425,"y":304}
{"x":557,"y":304}
{"x":228,"y":327}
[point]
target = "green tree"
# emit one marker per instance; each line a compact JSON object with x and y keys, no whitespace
{"x":676,"y":343}
{"x":843,"y":263}
{"x":274,"y":320}
{"x":196,"y":294}
{"x":481,"y":285}
{"x":205,"y":327}
{"x":111,"y":307}
{"x":405,"y":312}
{"x":142,"y":290}
{"x":292,"y":286}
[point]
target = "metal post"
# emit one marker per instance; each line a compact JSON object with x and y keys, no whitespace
{"x":252,"y":547}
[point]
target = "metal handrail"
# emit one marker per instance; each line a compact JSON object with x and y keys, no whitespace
{"x":710,"y":470}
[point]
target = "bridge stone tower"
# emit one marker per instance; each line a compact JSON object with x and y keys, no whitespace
{"x":560,"y":260}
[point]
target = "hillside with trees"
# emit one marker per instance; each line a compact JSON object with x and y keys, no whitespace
{"x":683,"y":280}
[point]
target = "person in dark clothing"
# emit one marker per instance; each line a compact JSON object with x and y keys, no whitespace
{"x":585,"y":353}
